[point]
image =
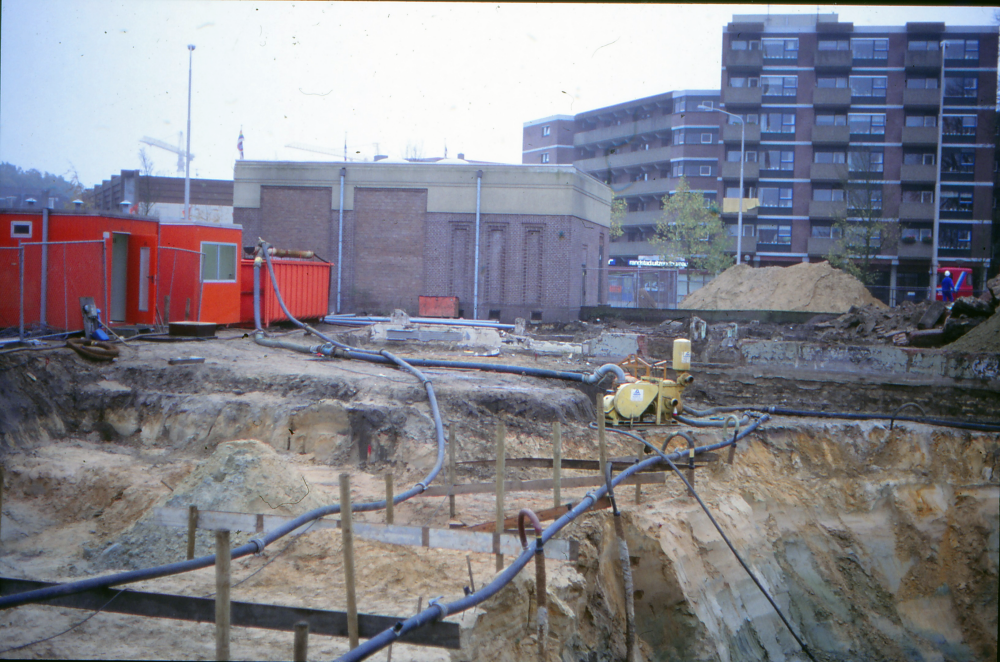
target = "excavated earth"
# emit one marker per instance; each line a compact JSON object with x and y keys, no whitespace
{"x":877,"y":543}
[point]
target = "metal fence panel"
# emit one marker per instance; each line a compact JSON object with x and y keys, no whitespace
{"x":179,"y":285}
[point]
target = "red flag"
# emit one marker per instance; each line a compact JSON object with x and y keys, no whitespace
{"x":239,"y":143}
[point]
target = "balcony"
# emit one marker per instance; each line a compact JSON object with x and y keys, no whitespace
{"x":732,"y":170}
{"x":623,"y":130}
{"x":828,"y":97}
{"x":741,"y":96}
{"x":744,"y":60}
{"x":921,"y":98}
{"x":621,"y":160}
{"x":828,"y":172}
{"x":920,"y":135}
{"x":629,"y":248}
{"x":918,"y":250}
{"x":827,"y":209}
{"x":831,"y":135}
{"x":820,"y":245}
{"x":916,"y":60}
{"x":917,"y":174}
{"x":731,"y":133}
{"x":916,"y":211}
{"x":732,"y":206}
{"x":657,"y":187}
{"x":647,"y":218}
{"x":747,"y":245}
{"x":834,"y":60}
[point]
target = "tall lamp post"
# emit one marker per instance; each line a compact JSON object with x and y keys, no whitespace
{"x":187,"y":152}
{"x":739,"y":216}
{"x":932,"y":290}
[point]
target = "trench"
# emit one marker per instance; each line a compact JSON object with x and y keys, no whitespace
{"x":876,"y":543}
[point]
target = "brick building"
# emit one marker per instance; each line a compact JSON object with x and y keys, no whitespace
{"x":163,"y":197}
{"x":826,"y":105}
{"x":409,"y":230}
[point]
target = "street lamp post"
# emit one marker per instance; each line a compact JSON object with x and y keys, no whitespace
{"x":932,"y":289}
{"x":739,"y":215}
{"x":187,"y":152}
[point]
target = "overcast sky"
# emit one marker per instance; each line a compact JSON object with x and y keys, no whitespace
{"x":81,"y":81}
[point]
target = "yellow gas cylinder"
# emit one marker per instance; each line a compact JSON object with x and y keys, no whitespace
{"x":682,"y":355}
{"x":631,"y":400}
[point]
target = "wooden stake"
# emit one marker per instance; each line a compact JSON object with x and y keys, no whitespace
{"x":1,"y":498}
{"x":556,"y":462}
{"x":501,"y":466}
{"x":346,"y":527}
{"x":222,"y":585}
{"x":166,"y":310}
{"x":389,"y":505}
{"x":472,"y":582}
{"x":192,"y":529}
{"x":638,"y":486}
{"x":301,"y":649}
{"x":451,"y":471}
{"x":602,"y":443}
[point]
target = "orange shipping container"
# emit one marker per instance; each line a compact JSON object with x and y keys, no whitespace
{"x":438,"y":306}
{"x":304,"y":285}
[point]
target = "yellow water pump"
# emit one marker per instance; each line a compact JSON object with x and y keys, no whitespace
{"x":651,"y":398}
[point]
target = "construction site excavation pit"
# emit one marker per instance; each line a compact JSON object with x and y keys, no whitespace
{"x":877,"y":540}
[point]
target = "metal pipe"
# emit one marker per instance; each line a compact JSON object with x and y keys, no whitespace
{"x":187,"y":153}
{"x":707,"y":424}
{"x":981,"y":427}
{"x":369,"y":319}
{"x":340,"y":237}
{"x":43,"y":295}
{"x":541,"y":593}
{"x":743,"y":157}
{"x":256,"y":292}
{"x":932,"y":295}
{"x":20,"y":280}
{"x":475,"y":268}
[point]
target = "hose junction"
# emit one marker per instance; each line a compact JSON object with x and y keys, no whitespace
{"x":663,"y":394}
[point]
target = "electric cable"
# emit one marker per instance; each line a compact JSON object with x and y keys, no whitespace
{"x":70,"y":628}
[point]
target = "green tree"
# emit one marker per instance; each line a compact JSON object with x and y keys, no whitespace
{"x":691,"y":230}
{"x":618,"y":210}
{"x":862,"y":232}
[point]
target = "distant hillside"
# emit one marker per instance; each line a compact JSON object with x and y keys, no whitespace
{"x":14,"y":179}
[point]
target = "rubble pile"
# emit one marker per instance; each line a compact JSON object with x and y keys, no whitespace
{"x":985,"y":336}
{"x":808,"y":286}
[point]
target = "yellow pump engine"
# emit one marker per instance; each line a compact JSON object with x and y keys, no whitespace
{"x":651,"y":398}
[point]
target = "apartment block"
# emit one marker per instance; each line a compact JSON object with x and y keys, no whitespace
{"x":906,"y":112}
{"x":641,"y":149}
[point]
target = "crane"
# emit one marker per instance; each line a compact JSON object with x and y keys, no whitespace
{"x":179,"y":150}
{"x":331,"y":151}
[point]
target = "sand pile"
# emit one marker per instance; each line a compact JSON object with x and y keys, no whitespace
{"x":244,"y":476}
{"x":815,"y":287}
{"x":985,"y":338}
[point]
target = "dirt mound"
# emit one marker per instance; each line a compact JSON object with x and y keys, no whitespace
{"x":815,"y":287}
{"x":985,"y":338}
{"x":244,"y":476}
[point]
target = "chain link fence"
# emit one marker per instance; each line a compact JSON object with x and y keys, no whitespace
{"x":41,"y":284}
{"x":651,"y":287}
{"x":179,"y":285}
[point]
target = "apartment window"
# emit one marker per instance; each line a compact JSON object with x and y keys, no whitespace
{"x":834,"y":45}
{"x":744,"y":81}
{"x":828,"y":194}
{"x":866,"y":124}
{"x":778,"y":122}
{"x":829,"y":157}
{"x":219,"y":263}
{"x":830,"y":119}
{"x":777,"y":159}
{"x":959,"y":125}
{"x":734,"y":192}
{"x":958,"y":160}
{"x":52,"y":203}
{"x":749,"y":118}
{"x":20,"y":229}
{"x":864,"y":198}
{"x":961,"y":49}
{"x":546,"y":130}
{"x":678,"y":136}
{"x":733,"y":156}
{"x":868,"y":86}
{"x":870,"y":49}
{"x":918,"y":158}
{"x":782,"y":86}
{"x":705,"y":171}
{"x":866,"y":160}
{"x":961,"y":86}
{"x":679,"y":105}
{"x":775,"y":197}
{"x":839,"y":82}
{"x":920,"y":45}
{"x":545,"y":157}
{"x":955,"y":238}
{"x":921,"y":83}
{"x":921,"y":120}
{"x":707,"y":103}
{"x":780,"y":49}
{"x":706,"y":138}
{"x":826,"y":232}
{"x":744,"y":45}
{"x":774,"y":234}
{"x":956,"y":201}
{"x":919,"y":197}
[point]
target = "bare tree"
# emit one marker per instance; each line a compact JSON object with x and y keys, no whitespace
{"x":414,"y":151}
{"x":144,"y":186}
